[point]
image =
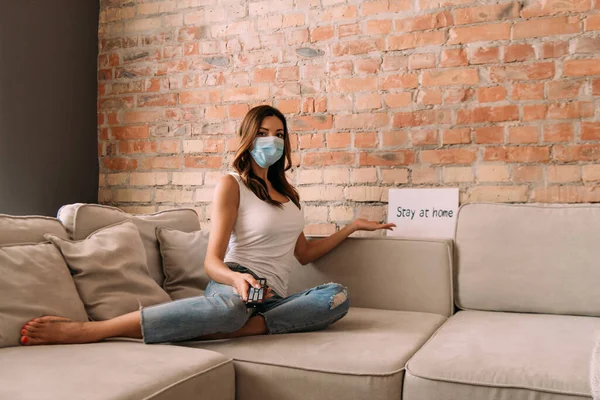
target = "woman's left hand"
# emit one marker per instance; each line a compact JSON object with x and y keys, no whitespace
{"x":366,"y":225}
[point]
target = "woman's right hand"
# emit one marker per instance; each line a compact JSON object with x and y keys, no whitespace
{"x":241,"y":284}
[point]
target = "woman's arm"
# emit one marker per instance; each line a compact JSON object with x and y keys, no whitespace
{"x":307,"y":252}
{"x":224,"y":213}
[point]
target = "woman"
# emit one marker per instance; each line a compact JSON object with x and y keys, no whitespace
{"x":257,"y":214}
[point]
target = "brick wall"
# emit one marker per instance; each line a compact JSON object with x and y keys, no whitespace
{"x":499,"y":98}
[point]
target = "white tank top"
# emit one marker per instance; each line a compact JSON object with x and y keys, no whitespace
{"x":264,"y":238}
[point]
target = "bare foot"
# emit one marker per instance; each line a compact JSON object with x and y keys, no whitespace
{"x":57,"y":330}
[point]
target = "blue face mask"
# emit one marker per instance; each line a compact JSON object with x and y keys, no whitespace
{"x":267,"y":150}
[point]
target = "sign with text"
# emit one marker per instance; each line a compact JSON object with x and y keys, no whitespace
{"x":423,"y":213}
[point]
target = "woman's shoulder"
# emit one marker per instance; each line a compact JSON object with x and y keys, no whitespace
{"x":230,"y":179}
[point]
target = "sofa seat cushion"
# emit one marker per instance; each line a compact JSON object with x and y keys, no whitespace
{"x":361,"y":356}
{"x":485,"y":355}
{"x":114,"y":370}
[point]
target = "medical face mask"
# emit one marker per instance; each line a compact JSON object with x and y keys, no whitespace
{"x":267,"y":150}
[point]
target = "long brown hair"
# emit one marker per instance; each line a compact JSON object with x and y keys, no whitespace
{"x":276,"y":173}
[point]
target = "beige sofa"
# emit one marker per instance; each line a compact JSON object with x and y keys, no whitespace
{"x":525,"y":282}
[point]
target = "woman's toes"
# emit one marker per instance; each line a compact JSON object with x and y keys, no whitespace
{"x":24,"y":340}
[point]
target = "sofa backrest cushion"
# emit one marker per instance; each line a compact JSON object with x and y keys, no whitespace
{"x":528,"y":258}
{"x":29,"y":229}
{"x":386,"y":273}
{"x":83,"y":219}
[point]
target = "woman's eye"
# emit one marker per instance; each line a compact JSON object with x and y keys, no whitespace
{"x":280,"y":135}
{"x":260,"y":134}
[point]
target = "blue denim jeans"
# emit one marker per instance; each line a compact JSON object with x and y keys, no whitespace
{"x":221,"y":310}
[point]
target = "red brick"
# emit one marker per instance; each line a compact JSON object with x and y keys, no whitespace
{"x":264,"y":75}
{"x":327,"y":158}
{"x":395,"y":139}
{"x":564,"y":173}
{"x":401,"y":81}
{"x":423,"y":137}
{"x":321,"y":33}
{"x":367,"y":66}
{"x":485,"y":55}
{"x":288,"y":106}
{"x":488,"y":13}
{"x":458,"y":95}
{"x":352,"y":84}
{"x":497,"y":194}
{"x":542,"y":70}
{"x":517,"y":154}
{"x":479,"y":33}
{"x":341,"y":102}
{"x":311,"y":123}
{"x":315,"y":141}
{"x":582,"y":67}
{"x":115,"y":103}
{"x":378,"y":6}
{"x":362,"y":121}
{"x":421,"y":61}
{"x":378,"y":27}
{"x":415,"y":40}
{"x":528,"y":91}
{"x":288,"y":74}
{"x":199,"y":97}
{"x":338,"y":140}
{"x":211,"y":162}
{"x":564,"y":89}
{"x":129,"y":132}
{"x":534,"y":112}
{"x":456,"y":136}
{"x":340,"y":68}
{"x":454,"y":58}
{"x":488,"y":114}
{"x":596,"y":87}
{"x":356,"y":47}
{"x":448,"y":77}
{"x":138,"y":147}
{"x":348,"y":30}
{"x":119,"y":164}
{"x":448,"y":156}
{"x":528,"y":173}
{"x":421,"y":118}
{"x":587,"y":45}
{"x":554,"y":49}
{"x":566,"y":194}
{"x":546,"y":27}
{"x":389,"y":158}
{"x":489,"y":135}
{"x":237,"y":110}
{"x":592,"y":23}
{"x":523,"y":134}
{"x":556,"y":133}
{"x":253,"y":93}
{"x":578,"y":109}
{"x":365,"y":140}
{"x":367,"y":101}
{"x":398,"y":100}
{"x":590,"y":131}
{"x":159,"y":100}
{"x":429,"y":96}
{"x":491,"y":94}
{"x":394,"y":63}
{"x":518,"y":52}
{"x":424,"y":22}
{"x":582,"y":152}
{"x":549,"y":7}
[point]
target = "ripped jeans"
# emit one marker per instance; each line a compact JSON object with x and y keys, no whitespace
{"x":221,"y":310}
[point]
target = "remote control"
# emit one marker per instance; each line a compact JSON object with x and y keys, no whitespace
{"x":255,"y":296}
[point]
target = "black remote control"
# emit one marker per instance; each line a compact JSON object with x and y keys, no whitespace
{"x":256,"y":296}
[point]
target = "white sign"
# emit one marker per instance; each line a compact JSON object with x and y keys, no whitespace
{"x":423,"y":213}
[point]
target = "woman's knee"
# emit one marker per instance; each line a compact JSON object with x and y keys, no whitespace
{"x":236,"y":314}
{"x":336,"y":297}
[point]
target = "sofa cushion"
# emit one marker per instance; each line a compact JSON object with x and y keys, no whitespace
{"x":360,"y":357}
{"x":35,"y":282}
{"x":529,"y":258}
{"x":502,"y":352}
{"x":83,"y":219}
{"x":29,"y":229}
{"x":183,"y":255}
{"x":114,"y":371}
{"x":109,"y":270}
